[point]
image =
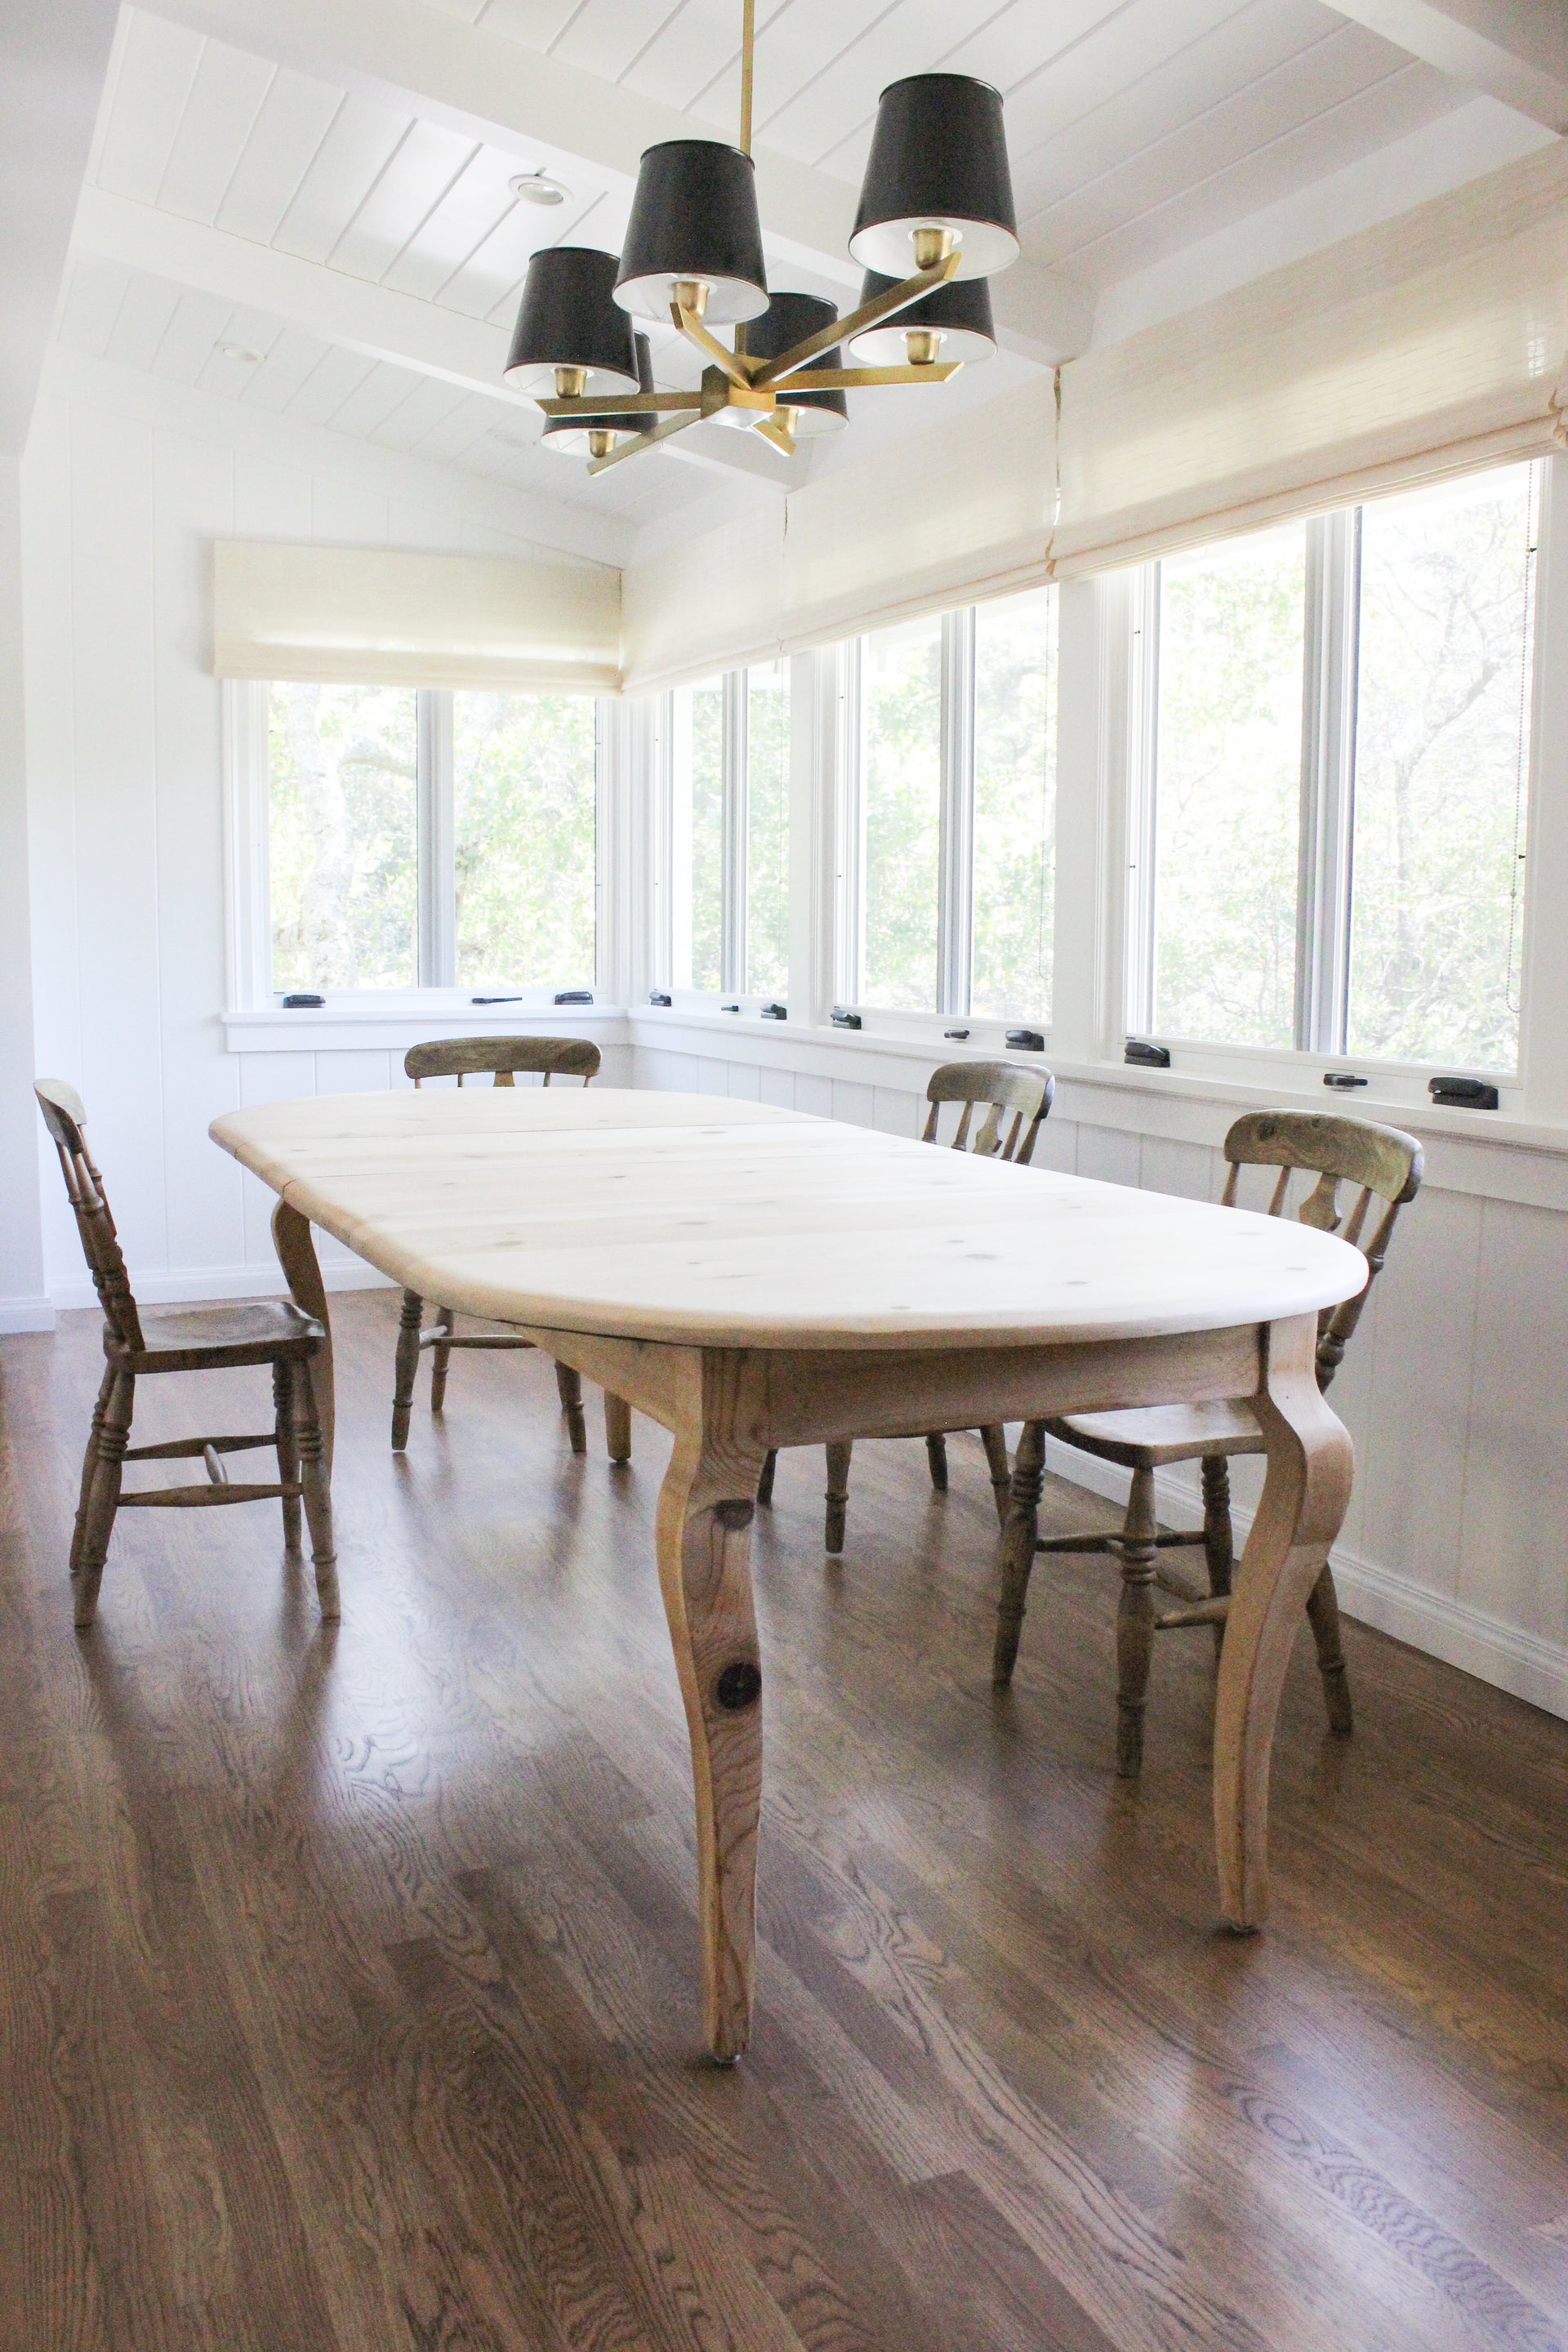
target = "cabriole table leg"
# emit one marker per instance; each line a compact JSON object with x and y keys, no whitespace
{"x":1305,"y":1496}
{"x":706,"y":1506}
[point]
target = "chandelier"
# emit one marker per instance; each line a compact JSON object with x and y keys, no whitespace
{"x":937,"y":195}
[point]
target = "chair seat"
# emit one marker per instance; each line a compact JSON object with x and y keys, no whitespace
{"x":1145,"y":1437}
{"x":251,"y":1330}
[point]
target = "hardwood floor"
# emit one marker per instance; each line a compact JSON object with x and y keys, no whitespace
{"x":348,"y":1985}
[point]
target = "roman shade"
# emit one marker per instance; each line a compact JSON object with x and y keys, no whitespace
{"x":374,"y":616}
{"x":958,"y":512}
{"x":1428,"y":345}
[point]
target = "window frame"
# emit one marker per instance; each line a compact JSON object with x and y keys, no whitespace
{"x":673,"y":825}
{"x":246,"y":770}
{"x":1325,"y":880}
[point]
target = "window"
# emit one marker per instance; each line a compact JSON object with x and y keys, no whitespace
{"x":729,"y":766}
{"x":1336,"y":766}
{"x":957,"y":801}
{"x":430,"y":839}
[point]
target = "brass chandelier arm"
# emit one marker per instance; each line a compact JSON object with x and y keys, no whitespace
{"x":898,"y":297}
{"x":636,"y":441}
{"x":847,"y":379}
{"x":776,"y":433}
{"x":734,"y":364}
{"x":621,"y":403}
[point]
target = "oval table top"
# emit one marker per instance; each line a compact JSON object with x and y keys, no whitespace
{"x":704,"y":1220}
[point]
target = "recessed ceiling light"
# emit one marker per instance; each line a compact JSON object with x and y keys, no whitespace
{"x":237,"y":351}
{"x":539,"y":188}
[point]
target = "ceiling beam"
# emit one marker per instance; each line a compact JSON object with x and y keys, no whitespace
{"x":1515,"y":50}
{"x":549,"y":113}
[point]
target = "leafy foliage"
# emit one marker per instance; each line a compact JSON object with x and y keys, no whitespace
{"x":523,"y":769}
{"x":901,"y":797}
{"x":344,"y":837}
{"x":1015,"y":807}
{"x":767,"y":829}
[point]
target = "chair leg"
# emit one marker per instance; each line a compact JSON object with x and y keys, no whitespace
{"x":1219,"y":1543}
{"x":288,"y":1449}
{"x":440,"y":1356}
{"x":569,"y":1386}
{"x":936,"y":1454}
{"x":406,"y":1367}
{"x":1323,"y":1616}
{"x":617,"y":1427}
{"x":89,"y":1464}
{"x":317,"y":1488}
{"x":103,"y":1497}
{"x":765,"y":1483}
{"x":1135,"y":1623}
{"x":995,"y":1441}
{"x":1019,"y":1531}
{"x":838,"y":1497}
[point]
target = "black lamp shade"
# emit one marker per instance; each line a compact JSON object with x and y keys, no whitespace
{"x":959,"y":312}
{"x":570,"y":434}
{"x":787,"y":321}
{"x":568,"y":318}
{"x":938,"y":159}
{"x":694,"y":215}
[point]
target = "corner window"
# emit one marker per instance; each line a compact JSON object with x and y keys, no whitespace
{"x":728,"y":773}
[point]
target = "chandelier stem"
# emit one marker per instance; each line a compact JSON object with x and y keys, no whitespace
{"x":748,"y":44}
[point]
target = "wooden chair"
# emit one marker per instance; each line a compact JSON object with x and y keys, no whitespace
{"x":212,"y":1338}
{"x":1386,"y":1165}
{"x":460,"y":1057}
{"x":1002,"y":1086}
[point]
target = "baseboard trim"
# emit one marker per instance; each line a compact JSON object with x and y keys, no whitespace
{"x":1436,"y":1623}
{"x":26,"y":1315}
{"x":206,"y":1284}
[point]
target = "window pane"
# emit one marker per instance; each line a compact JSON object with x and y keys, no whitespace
{"x":901,"y":798}
{"x":1015,"y":805}
{"x":1228,"y":785}
{"x":1442,"y":737}
{"x":522,"y":836}
{"x":767,"y":830}
{"x":696,"y":763}
{"x":344,"y":845}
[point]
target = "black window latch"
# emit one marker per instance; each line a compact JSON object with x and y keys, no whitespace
{"x":1464,"y":1093}
{"x":1147,"y":1057}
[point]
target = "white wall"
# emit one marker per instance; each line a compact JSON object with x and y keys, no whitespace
{"x":126,"y":483}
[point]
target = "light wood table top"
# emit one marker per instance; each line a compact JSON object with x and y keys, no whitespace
{"x":710,"y":1222}
{"x":755,"y":1278}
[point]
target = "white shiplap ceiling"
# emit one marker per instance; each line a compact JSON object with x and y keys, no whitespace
{"x":246,"y":177}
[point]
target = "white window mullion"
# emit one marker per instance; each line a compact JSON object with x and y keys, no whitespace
{"x":247,"y":818}
{"x":1142,"y":771}
{"x":956,"y":860}
{"x":1327,"y":764}
{"x":733,"y":950}
{"x":849,"y":843}
{"x":437,"y":861}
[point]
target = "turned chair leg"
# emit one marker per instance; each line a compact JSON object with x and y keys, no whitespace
{"x":1135,"y":1623}
{"x":406,"y":1366}
{"x":1219,"y":1543}
{"x":569,"y":1387}
{"x":90,"y":1464}
{"x":936,"y":1454}
{"x":765,"y":1483}
{"x":316,"y":1488}
{"x":1323,"y":1616}
{"x":838,"y":1497}
{"x":995,"y":1441}
{"x":288,"y":1447}
{"x":440,"y":1356}
{"x":103,"y":1497}
{"x":1018,"y":1533}
{"x":617,"y":1428}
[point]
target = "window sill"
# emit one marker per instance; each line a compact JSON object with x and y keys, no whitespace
{"x":354,"y":1024}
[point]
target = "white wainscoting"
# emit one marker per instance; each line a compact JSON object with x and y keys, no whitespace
{"x":1454,"y":1389}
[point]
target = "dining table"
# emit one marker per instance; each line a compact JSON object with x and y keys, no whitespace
{"x":754,"y":1277}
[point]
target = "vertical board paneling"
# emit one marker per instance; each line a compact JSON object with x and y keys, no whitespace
{"x":1108,"y":1154}
{"x":1515,"y":1514}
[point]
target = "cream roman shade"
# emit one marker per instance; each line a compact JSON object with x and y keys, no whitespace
{"x":948,"y":515}
{"x":373,"y":615}
{"x":1428,"y":345}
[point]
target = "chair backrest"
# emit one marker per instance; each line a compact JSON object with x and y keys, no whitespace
{"x":1002,"y":1086}
{"x":1383,"y":1162}
{"x":66,"y":1122}
{"x":460,"y":1057}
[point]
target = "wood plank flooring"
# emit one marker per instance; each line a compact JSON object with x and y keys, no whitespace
{"x":348,"y":1978}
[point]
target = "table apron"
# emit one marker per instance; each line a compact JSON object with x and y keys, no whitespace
{"x":780,"y":1396}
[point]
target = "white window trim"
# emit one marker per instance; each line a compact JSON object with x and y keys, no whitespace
{"x":248,"y":989}
{"x":1324,"y":879}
